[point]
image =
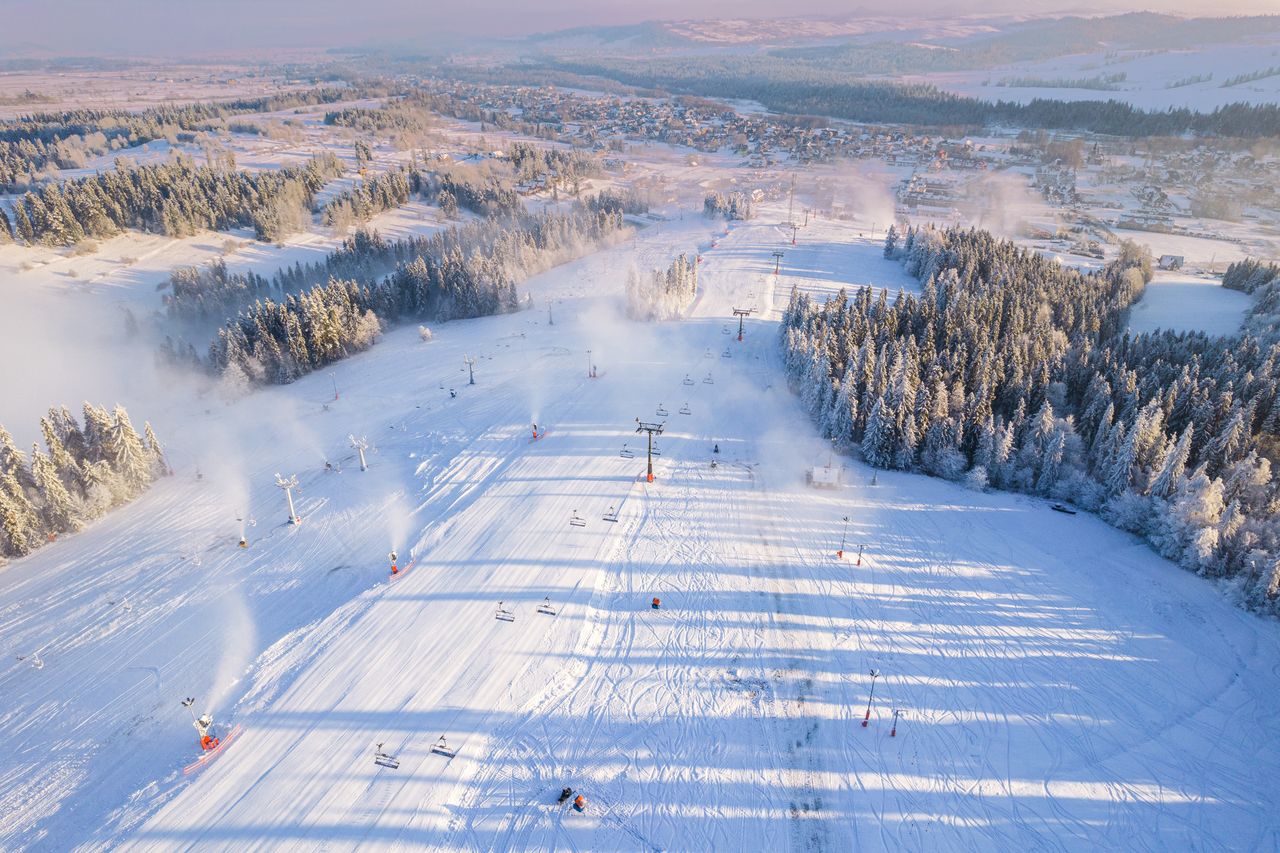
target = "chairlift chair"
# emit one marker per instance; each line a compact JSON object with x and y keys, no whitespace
{"x":383,"y":759}
{"x":576,"y":520}
{"x":688,"y":380}
{"x":442,"y":748}
{"x":685,"y":410}
{"x":545,"y":607}
{"x":726,"y":353}
{"x":627,"y":452}
{"x":503,"y":615}
{"x":708,"y":380}
{"x":611,"y":515}
{"x":661,"y":412}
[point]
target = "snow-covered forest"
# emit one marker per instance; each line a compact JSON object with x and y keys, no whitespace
{"x":1012,"y":371}
{"x":731,"y":206}
{"x":83,"y":472}
{"x":175,"y":198}
{"x":458,"y":273}
{"x":662,"y":294}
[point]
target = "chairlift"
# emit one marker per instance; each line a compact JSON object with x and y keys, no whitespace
{"x":708,"y":352}
{"x":688,"y":380}
{"x":611,"y":515}
{"x":627,"y":452}
{"x":661,"y":412}
{"x":502,"y":614}
{"x":576,"y":520}
{"x":545,"y":607}
{"x":726,"y":353}
{"x":383,"y":759}
{"x":724,"y":330}
{"x":442,"y":748}
{"x":708,"y":380}
{"x":685,"y":410}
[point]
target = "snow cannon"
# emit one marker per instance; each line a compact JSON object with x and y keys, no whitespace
{"x":393,"y":558}
{"x":657,"y":603}
{"x":244,"y":543}
{"x":580,"y":803}
{"x":204,"y":726}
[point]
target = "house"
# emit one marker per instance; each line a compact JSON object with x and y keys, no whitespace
{"x":1171,"y":262}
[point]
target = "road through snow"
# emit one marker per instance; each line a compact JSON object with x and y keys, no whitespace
{"x":1061,"y":686}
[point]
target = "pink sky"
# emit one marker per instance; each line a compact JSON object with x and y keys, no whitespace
{"x":163,"y":27}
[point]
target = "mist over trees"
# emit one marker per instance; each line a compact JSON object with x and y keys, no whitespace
{"x":84,"y":471}
{"x":662,"y":295}
{"x":731,"y":206}
{"x":469,"y":271}
{"x":1011,"y":371}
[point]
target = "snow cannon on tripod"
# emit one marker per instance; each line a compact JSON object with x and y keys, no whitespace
{"x":203,"y":725}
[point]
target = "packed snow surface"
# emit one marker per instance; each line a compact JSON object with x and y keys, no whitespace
{"x":1180,"y":302}
{"x":1060,"y":686}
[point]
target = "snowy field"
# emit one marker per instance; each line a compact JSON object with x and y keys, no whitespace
{"x":1060,"y":686}
{"x":1188,"y":303}
{"x":1150,"y":77}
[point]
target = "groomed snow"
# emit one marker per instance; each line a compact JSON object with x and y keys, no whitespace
{"x":1061,"y":686}
{"x":1187,"y":303}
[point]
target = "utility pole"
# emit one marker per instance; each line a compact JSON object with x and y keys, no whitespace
{"x":874,"y":674}
{"x":777,"y":262}
{"x":360,"y":445}
{"x":840,"y":553}
{"x":335,"y":385}
{"x":652,"y":430}
{"x":471,"y":367}
{"x":741,"y":314}
{"x":289,"y":485}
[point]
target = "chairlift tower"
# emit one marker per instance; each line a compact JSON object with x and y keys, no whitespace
{"x":288,"y":486}
{"x":742,"y":314}
{"x":471,"y":369}
{"x":360,"y":445}
{"x":652,"y":430}
{"x":777,"y":262}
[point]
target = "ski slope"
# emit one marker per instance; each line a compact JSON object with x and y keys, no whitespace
{"x":1061,"y":687}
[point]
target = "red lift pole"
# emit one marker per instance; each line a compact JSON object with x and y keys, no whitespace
{"x":741,"y":314}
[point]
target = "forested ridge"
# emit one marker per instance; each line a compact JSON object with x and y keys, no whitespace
{"x":174,"y":198}
{"x":786,"y":86}
{"x":34,"y":143}
{"x":1012,"y":371}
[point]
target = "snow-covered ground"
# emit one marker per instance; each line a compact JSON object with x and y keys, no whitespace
{"x":1151,"y":78}
{"x":1061,"y":687}
{"x":1188,"y":303}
